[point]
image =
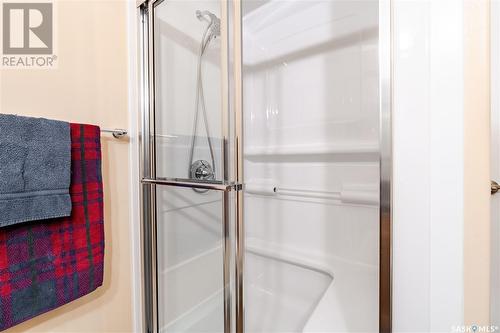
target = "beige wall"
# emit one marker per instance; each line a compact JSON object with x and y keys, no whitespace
{"x":89,"y":86}
{"x":477,"y":162}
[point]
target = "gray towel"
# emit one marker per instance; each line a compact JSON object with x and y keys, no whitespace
{"x":35,"y":169}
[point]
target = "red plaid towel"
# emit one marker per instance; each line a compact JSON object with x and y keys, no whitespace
{"x":44,"y":265}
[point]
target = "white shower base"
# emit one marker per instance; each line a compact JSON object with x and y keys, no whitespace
{"x":280,"y":295}
{"x":287,"y":292}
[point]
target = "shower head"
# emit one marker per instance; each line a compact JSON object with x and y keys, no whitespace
{"x":212,"y":19}
{"x":206,"y":16}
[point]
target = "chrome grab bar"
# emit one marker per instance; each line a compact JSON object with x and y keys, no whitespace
{"x":216,"y":186}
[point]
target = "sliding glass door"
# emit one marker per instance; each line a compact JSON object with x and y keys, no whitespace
{"x":308,"y":83}
{"x":189,"y":166}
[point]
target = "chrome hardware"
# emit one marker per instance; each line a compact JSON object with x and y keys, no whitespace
{"x":494,"y":187}
{"x":117,"y":133}
{"x":202,"y":170}
{"x":216,"y":186}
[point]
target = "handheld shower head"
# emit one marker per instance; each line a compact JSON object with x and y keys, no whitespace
{"x":212,"y":19}
{"x":206,"y":16}
{"x":212,"y":30}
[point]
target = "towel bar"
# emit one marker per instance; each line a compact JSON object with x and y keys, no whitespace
{"x":117,"y":133}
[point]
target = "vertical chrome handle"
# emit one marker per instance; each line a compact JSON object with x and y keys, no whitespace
{"x":237,"y":105}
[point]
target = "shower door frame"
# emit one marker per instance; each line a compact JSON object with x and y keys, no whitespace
{"x":232,"y":157}
{"x":385,"y":43}
{"x":233,"y":299}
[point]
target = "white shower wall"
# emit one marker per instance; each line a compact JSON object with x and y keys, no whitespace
{"x":189,"y":223}
{"x":311,"y":108}
{"x":311,"y":66}
{"x":178,"y":34}
{"x":311,"y":114}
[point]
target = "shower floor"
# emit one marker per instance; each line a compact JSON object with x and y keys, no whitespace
{"x":292,"y":294}
{"x":280,"y":297}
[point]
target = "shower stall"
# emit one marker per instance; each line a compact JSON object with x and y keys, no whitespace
{"x":265,"y":148}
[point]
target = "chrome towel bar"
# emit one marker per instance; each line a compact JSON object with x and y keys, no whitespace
{"x":117,"y":132}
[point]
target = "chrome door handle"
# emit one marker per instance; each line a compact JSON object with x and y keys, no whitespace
{"x":494,"y":187}
{"x":216,"y":186}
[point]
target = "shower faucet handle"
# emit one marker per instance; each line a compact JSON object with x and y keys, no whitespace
{"x":202,"y":170}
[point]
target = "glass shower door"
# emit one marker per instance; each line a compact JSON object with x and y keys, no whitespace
{"x":316,"y":99}
{"x":313,"y":78}
{"x":190,"y":260}
{"x":188,"y":69}
{"x":186,"y":174}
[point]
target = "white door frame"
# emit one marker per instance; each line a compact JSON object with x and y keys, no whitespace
{"x":495,"y":163}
